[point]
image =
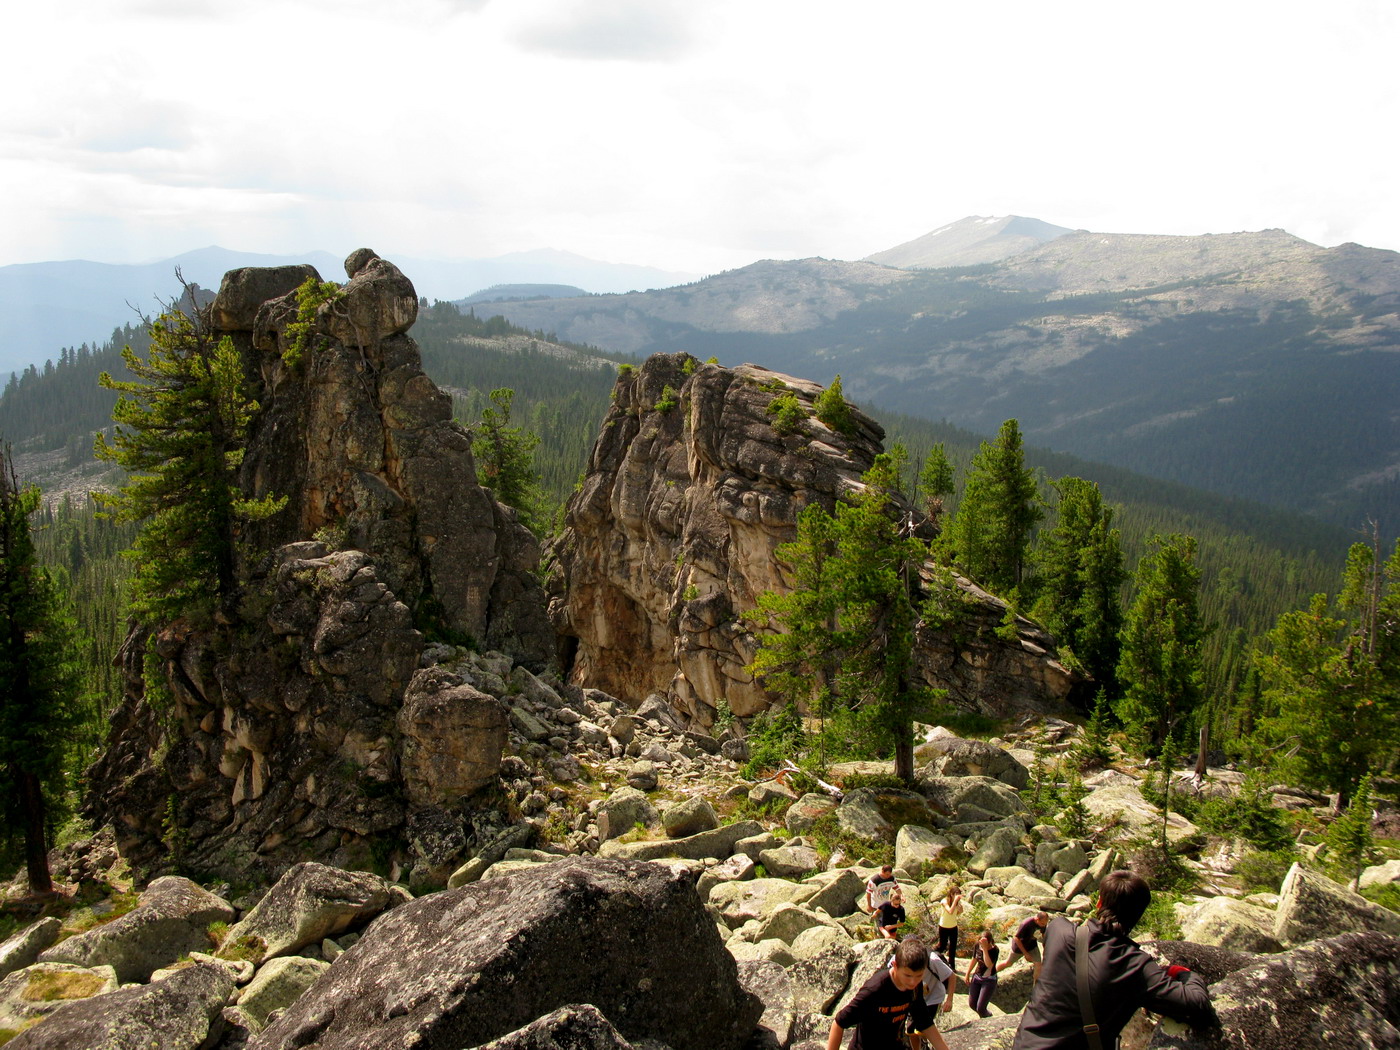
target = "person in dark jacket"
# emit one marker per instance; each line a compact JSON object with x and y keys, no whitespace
{"x":1122,"y":977}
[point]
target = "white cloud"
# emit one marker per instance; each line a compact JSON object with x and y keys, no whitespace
{"x":690,"y":136}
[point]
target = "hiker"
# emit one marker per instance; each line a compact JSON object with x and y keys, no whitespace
{"x":886,"y":1002}
{"x":879,"y":888}
{"x":890,"y":917}
{"x":939,"y":982}
{"x":1024,"y":945}
{"x":950,"y":910}
{"x":1119,"y":977}
{"x":982,"y":973}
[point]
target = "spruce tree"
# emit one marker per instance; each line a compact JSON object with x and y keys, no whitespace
{"x":1332,"y":678}
{"x":180,"y":436}
{"x":40,"y":681}
{"x":1000,"y":508}
{"x":1160,"y":666}
{"x":505,"y":460}
{"x":1079,"y":573}
{"x":1349,"y":838}
{"x":847,"y":628}
{"x":935,"y":483}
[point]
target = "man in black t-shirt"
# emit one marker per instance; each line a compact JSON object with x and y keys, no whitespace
{"x":891,"y":997}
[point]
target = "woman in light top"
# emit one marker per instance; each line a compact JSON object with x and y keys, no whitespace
{"x":950,"y":910}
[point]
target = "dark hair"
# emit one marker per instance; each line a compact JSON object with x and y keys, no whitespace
{"x":1123,"y":897}
{"x":912,"y":954}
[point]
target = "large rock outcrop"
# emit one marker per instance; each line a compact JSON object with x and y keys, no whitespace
{"x":294,"y":728}
{"x":672,"y":538}
{"x":463,"y":967}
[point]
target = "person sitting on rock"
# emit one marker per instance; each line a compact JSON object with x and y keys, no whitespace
{"x":1121,"y":977}
{"x":891,"y":917}
{"x":887,"y":1002}
{"x":1024,"y":944}
{"x":879,"y":888}
{"x":982,"y":973}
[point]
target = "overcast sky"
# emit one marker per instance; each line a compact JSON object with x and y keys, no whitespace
{"x":693,"y":135}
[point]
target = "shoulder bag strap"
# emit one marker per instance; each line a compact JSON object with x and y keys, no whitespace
{"x":1086,"y":1005}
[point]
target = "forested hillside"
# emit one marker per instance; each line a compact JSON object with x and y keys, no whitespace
{"x":1256,"y":562}
{"x":1252,"y":365}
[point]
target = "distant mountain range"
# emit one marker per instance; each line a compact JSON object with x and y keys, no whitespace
{"x":50,"y":305}
{"x":1250,"y":364}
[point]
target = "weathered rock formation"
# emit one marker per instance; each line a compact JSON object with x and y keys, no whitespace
{"x":303,"y":727}
{"x":462,"y":967}
{"x":689,"y":492}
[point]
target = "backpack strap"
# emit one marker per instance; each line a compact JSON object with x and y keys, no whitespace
{"x":1086,"y":1004}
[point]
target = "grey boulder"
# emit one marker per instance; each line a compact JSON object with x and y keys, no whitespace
{"x":462,"y":967}
{"x":171,"y":920}
{"x":309,"y":903}
{"x":182,"y":1012}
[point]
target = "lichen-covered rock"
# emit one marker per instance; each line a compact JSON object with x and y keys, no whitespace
{"x":460,"y":968}
{"x":182,"y":1012}
{"x":972,"y":799}
{"x":574,"y":1027}
{"x":1231,"y":923}
{"x":623,"y":810}
{"x":308,"y":903}
{"x":1339,"y":992}
{"x":877,"y":814}
{"x":718,"y":844}
{"x":773,"y":987}
{"x":789,"y":862}
{"x":839,"y":890}
{"x":278,"y":983}
{"x":671,"y":540}
{"x":283,"y":739}
{"x":1138,"y":816}
{"x":689,"y":816}
{"x":738,"y":902}
{"x":995,"y":851}
{"x":35,"y":991}
{"x":1311,"y":905}
{"x":923,"y":852}
{"x":787,"y":921}
{"x":23,"y":948}
{"x":806,"y":811}
{"x":1380,"y":874}
{"x":172,"y":918}
{"x":954,"y":757}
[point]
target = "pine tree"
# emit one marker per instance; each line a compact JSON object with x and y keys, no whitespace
{"x":39,"y":678}
{"x":1160,"y":666}
{"x":1332,"y":678}
{"x":831,"y":408}
{"x":935,"y":482}
{"x":181,"y":432}
{"x":505,"y":460}
{"x":1079,"y":573}
{"x":1349,"y":838}
{"x":1000,"y":508}
{"x":847,"y":628}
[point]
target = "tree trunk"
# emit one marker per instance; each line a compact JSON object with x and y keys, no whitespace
{"x":36,"y":854}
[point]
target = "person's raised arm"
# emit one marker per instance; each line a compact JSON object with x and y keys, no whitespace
{"x":1180,"y":994}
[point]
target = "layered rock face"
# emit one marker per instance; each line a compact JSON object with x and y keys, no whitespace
{"x":299,"y":729}
{"x":672,"y":538}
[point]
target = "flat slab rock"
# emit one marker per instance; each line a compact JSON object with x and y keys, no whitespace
{"x":463,"y":967}
{"x":181,"y":1012}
